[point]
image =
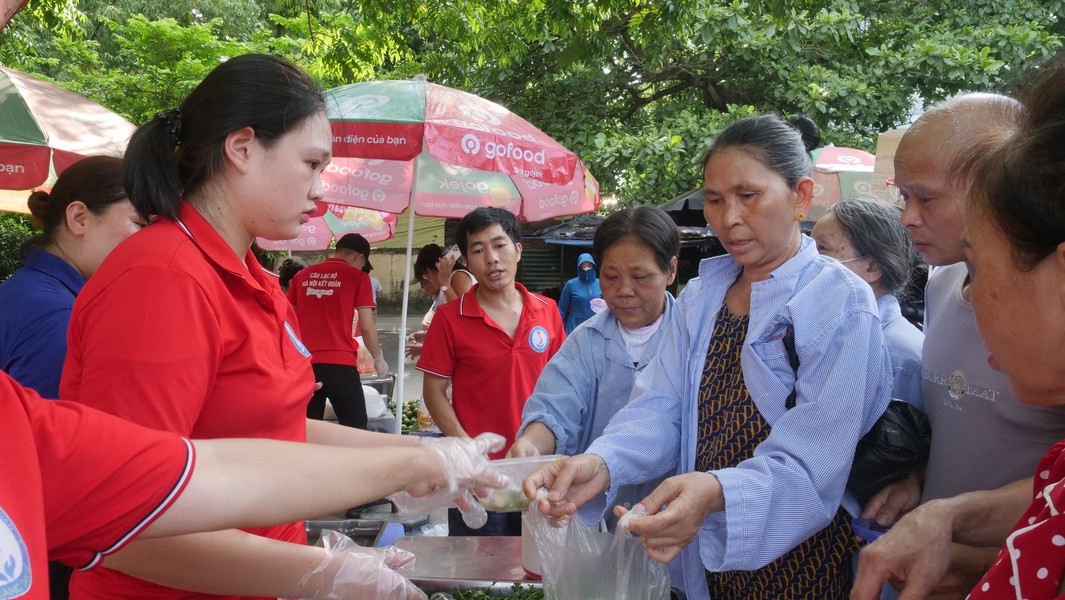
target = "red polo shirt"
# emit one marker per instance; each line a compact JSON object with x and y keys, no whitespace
{"x":326,"y":296}
{"x":174,"y":332}
{"x":76,"y":484}
{"x":491,"y":374}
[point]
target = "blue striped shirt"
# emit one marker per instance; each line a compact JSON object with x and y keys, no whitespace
{"x":792,"y":486}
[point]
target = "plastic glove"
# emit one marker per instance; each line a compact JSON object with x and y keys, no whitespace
{"x":465,"y":464}
{"x":352,"y":571}
{"x":380,"y":366}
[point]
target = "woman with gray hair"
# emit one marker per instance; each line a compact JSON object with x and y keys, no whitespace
{"x":867,"y":237}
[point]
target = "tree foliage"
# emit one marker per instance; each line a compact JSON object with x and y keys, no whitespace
{"x":636,"y":87}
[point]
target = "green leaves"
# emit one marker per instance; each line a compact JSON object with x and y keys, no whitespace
{"x":636,"y":87}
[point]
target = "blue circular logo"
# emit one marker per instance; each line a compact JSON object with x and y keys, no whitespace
{"x":15,"y":573}
{"x":296,"y":340}
{"x":538,"y":339}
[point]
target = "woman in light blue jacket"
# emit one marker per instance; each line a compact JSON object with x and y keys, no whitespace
{"x":590,"y":378}
{"x":754,"y":511}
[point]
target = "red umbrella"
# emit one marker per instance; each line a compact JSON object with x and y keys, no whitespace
{"x":839,"y":173}
{"x":400,"y":145}
{"x":44,"y":129}
{"x":8,"y":8}
{"x":444,"y":152}
{"x":335,"y":220}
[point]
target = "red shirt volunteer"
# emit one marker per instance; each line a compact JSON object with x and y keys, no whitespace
{"x":68,"y":495}
{"x":174,"y":333}
{"x":491,"y":374}
{"x":326,"y":297}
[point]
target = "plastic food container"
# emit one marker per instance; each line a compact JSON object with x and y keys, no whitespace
{"x":510,"y":498}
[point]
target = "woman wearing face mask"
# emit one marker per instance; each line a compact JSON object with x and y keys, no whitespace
{"x":867,"y":237}
{"x":754,"y":511}
{"x":575,"y":302}
{"x":591,"y":377}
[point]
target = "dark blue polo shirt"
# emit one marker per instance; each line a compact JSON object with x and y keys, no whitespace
{"x":35,"y":306}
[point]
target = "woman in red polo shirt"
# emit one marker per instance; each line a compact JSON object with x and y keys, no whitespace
{"x":182,"y":330}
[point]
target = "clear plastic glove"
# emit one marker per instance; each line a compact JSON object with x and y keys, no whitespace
{"x":352,"y":571}
{"x":465,"y":464}
{"x":380,"y":366}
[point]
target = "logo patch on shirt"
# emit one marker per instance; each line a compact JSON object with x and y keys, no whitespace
{"x":296,"y":340}
{"x":539,"y":339}
{"x":15,"y":573}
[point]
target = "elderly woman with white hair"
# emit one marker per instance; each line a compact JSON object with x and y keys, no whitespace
{"x":867,"y":237}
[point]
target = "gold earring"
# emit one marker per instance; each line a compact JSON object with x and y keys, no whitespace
{"x":800,"y":216}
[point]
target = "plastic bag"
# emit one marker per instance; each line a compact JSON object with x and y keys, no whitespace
{"x":898,"y":443}
{"x":576,"y":561}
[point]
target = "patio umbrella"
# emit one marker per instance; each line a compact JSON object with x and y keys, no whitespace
{"x":335,"y":220}
{"x":44,"y":129}
{"x":839,"y":173}
{"x":435,"y":151}
{"x":8,"y":8}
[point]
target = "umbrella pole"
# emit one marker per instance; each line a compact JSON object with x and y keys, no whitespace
{"x":398,"y":392}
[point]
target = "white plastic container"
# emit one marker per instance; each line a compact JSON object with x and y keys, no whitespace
{"x":510,"y":498}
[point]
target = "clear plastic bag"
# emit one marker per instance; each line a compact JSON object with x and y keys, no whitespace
{"x":576,"y":561}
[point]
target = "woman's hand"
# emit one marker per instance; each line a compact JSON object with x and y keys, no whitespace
{"x":570,"y":483}
{"x":442,"y":275}
{"x":688,"y":499}
{"x":349,"y":570}
{"x":461,"y":463}
{"x":896,"y":499}
{"x":914,"y":555}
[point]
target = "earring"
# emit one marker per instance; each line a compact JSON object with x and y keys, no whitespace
{"x":800,"y":216}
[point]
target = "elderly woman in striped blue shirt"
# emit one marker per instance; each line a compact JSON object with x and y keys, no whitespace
{"x":753,"y":510}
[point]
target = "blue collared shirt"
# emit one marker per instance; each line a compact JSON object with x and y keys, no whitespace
{"x":585,"y":384}
{"x":35,"y":305}
{"x":904,"y":342}
{"x":792,"y":486}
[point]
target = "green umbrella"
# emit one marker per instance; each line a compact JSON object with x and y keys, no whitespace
{"x":44,"y":129}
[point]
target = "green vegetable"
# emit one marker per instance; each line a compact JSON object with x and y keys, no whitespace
{"x":518,"y":592}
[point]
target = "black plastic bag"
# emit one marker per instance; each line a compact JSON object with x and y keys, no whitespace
{"x":898,"y":443}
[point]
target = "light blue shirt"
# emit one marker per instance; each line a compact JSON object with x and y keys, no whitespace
{"x":792,"y":486}
{"x":588,"y":381}
{"x":904,"y":342}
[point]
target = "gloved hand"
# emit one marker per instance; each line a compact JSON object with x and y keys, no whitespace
{"x":380,"y":366}
{"x":352,"y":571}
{"x":465,"y":465}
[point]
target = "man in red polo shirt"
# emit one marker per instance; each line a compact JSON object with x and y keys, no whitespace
{"x":490,"y":345}
{"x":326,"y":297}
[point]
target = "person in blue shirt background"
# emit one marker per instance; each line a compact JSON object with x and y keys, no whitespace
{"x":754,"y":509}
{"x":84,"y":217}
{"x":575,"y":303}
{"x":591,"y":377}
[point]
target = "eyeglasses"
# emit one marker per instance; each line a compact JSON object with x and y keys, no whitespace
{"x":850,"y":259}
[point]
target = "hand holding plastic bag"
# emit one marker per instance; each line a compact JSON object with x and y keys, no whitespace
{"x":352,"y":571}
{"x":577,"y":561}
{"x":464,"y":463}
{"x":380,"y":367}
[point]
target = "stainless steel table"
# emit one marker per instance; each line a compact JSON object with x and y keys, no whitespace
{"x":449,"y":563}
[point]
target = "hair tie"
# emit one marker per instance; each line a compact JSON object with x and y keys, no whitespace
{"x":172,"y":118}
